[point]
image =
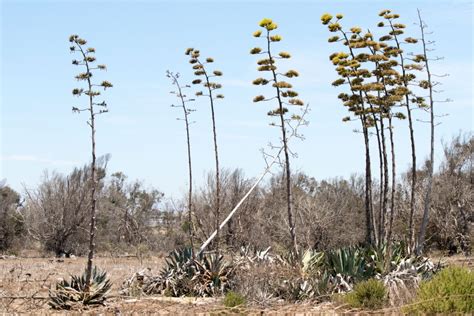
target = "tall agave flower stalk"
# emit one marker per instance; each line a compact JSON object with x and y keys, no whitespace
{"x":94,"y":108}
{"x":284,"y":96}
{"x":201,"y":70}
{"x":183,"y":99}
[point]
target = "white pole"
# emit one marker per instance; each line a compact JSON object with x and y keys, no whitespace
{"x":208,"y":241}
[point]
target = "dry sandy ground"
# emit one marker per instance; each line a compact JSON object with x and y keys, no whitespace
{"x":32,"y":277}
{"x":24,"y":284}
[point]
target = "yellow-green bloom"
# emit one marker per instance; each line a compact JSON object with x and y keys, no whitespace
{"x":419,"y":58}
{"x":282,"y":85}
{"x":292,"y":73}
{"x":255,"y":50}
{"x":73,"y":37}
{"x":334,"y":27}
{"x":257,"y":33}
{"x":291,"y":93}
{"x":275,"y":38}
{"x":264,"y":22}
{"x":326,"y":18}
{"x":271,"y":26}
{"x":106,"y":84}
{"x":265,"y":61}
{"x":338,"y":82}
{"x":90,"y":59}
{"x":259,"y":81}
{"x":258,"y":98}
{"x":356,"y":30}
{"x":295,"y":102}
{"x":266,"y":68}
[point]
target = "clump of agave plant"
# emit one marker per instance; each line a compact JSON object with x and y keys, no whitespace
{"x":68,"y":294}
{"x":184,"y":275}
{"x":336,"y":271}
{"x":308,"y":276}
{"x":406,"y":277}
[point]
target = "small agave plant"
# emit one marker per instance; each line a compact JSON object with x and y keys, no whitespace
{"x":67,"y":294}
{"x":174,"y":278}
{"x":213,"y":275}
{"x":182,"y":275}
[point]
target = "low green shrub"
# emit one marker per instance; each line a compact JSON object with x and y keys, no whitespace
{"x":449,"y":291}
{"x":370,"y":294}
{"x":233,"y":299}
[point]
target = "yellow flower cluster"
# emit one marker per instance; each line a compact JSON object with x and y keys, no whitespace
{"x":268,"y":24}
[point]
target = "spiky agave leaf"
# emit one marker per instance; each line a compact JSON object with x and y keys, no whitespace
{"x":182,"y":275}
{"x":312,"y":260}
{"x":67,"y":294}
{"x":212,"y":275}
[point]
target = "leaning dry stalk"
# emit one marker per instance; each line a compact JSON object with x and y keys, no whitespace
{"x":186,"y":112}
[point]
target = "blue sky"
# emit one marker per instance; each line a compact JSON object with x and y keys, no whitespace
{"x":140,"y":40}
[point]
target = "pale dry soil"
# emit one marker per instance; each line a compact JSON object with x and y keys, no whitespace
{"x":24,"y":285}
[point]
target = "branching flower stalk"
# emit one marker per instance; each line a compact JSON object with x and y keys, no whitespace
{"x":386,"y":99}
{"x":398,"y":92}
{"x":387,"y":96}
{"x":349,"y":68}
{"x":210,"y":87}
{"x":376,"y":109}
{"x":285,"y":96}
{"x":407,"y":79}
{"x":86,"y":60}
{"x":426,"y":84}
{"x":186,"y":112}
{"x":359,"y":41}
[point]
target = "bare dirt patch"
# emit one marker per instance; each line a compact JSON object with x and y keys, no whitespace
{"x":24,"y":282}
{"x":24,"y":285}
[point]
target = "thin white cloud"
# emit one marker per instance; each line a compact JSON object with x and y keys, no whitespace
{"x":32,"y":158}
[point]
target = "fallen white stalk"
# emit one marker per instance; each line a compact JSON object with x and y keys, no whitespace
{"x":208,"y":241}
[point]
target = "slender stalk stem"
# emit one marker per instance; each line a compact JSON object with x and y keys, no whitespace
{"x":427,"y":204}
{"x":190,"y":173}
{"x":411,"y":230}
{"x":289,"y":202}
{"x":393,"y":189}
{"x":216,"y":157}
{"x":369,"y":239}
{"x":92,"y":228}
